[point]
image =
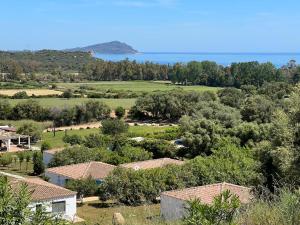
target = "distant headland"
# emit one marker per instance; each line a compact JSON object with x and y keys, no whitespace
{"x":114,"y":47}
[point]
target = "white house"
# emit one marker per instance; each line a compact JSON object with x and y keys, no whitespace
{"x":53,"y":198}
{"x":174,"y":203}
{"x":96,"y":170}
{"x":48,"y":155}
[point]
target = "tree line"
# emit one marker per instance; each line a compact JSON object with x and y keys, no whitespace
{"x":77,"y":66}
{"x":30,"y":109}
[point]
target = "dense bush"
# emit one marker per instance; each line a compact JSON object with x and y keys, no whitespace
{"x":84,"y":187}
{"x":114,"y":127}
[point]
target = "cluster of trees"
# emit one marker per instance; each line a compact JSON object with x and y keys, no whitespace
{"x":227,"y":162}
{"x":30,"y":109}
{"x":26,"y":65}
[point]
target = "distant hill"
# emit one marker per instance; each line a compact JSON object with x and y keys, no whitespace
{"x":114,"y":47}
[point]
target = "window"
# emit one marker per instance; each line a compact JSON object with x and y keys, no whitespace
{"x":59,"y":207}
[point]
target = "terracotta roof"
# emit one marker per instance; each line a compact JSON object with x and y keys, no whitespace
{"x":207,"y":193}
{"x":97,"y":170}
{"x":150,"y":164}
{"x":42,"y":190}
{"x":53,"y":151}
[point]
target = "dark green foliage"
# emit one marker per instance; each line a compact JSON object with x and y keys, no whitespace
{"x":84,"y":187}
{"x":5,"y":109}
{"x":96,"y":141}
{"x":257,"y":108}
{"x":20,"y":95}
{"x":31,"y":129}
{"x":232,"y":97}
{"x":222,"y":210}
{"x":120,"y":112}
{"x":5,"y":159}
{"x":45,"y":146}
{"x":159,"y":148}
{"x":67,"y":94}
{"x":38,"y":164}
{"x":29,"y":109}
{"x":74,"y":139}
{"x":73,"y":155}
{"x":114,"y":127}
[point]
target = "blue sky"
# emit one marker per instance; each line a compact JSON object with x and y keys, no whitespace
{"x":153,"y":25}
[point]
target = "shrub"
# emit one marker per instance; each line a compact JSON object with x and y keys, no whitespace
{"x":84,"y":187}
{"x":74,"y":139}
{"x":120,"y":112}
{"x":31,"y":129}
{"x":114,"y":127}
{"x":5,"y":160}
{"x":38,"y":165}
{"x":45,"y":146}
{"x":20,"y":95}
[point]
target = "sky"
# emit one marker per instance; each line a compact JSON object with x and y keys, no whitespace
{"x":152,"y":25}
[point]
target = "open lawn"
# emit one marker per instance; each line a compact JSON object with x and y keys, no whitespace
{"x":18,"y":123}
{"x":30,"y":92}
{"x":134,"y":131}
{"x":62,"y":102}
{"x":134,"y":86}
{"x":102,"y":213}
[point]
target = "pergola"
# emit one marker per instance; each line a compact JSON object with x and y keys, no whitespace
{"x":7,"y":137}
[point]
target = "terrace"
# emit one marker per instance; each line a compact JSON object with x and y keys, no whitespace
{"x":10,"y":141}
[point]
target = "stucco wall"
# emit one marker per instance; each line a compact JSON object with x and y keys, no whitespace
{"x":70,"y":206}
{"x":56,"y":179}
{"x":47,"y":158}
{"x":172,"y":208}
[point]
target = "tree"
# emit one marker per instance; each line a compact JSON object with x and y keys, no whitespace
{"x":20,"y":95}
{"x":21,"y":157}
{"x":38,"y":164}
{"x":114,"y":127}
{"x":120,"y":112}
{"x":73,"y":139}
{"x":31,"y":129}
{"x":67,"y":94}
{"x":5,"y":109}
{"x":257,"y":108}
{"x":222,"y":211}
{"x":5,"y":159}
{"x":45,"y":146}
{"x":84,"y":187}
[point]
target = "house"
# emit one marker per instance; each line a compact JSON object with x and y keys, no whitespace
{"x":10,"y":141}
{"x":151,"y":164}
{"x":53,"y":198}
{"x":173,"y":203}
{"x":48,"y":155}
{"x":96,"y":170}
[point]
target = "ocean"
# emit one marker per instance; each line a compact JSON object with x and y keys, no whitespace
{"x":225,"y":59}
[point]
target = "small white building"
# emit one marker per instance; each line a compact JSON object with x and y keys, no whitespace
{"x":174,"y":203}
{"x":49,"y":154}
{"x":96,"y":170}
{"x":8,"y":135}
{"x":55,"y":199}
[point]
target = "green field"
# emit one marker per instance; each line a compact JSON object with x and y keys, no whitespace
{"x":61,"y":102}
{"x":135,"y":131}
{"x":134,"y":86}
{"x":102,"y":213}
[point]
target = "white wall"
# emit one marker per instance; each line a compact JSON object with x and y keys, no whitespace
{"x":47,"y":158}
{"x":56,"y":179}
{"x":70,"y":206}
{"x":172,"y":208}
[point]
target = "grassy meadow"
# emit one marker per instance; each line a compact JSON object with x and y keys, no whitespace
{"x":102,"y":213}
{"x":62,"y":102}
{"x":134,"y":131}
{"x":133,"y":86}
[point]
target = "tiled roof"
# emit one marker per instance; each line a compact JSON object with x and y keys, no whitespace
{"x":207,"y":193}
{"x":42,"y":190}
{"x":150,"y":164}
{"x":97,"y":170}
